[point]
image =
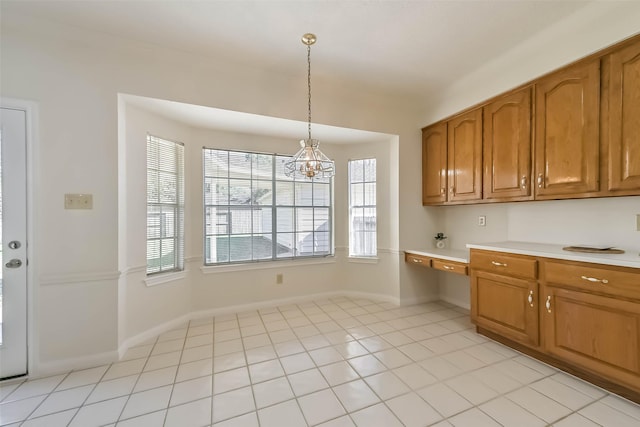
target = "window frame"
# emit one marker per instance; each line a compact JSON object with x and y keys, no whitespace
{"x":363,"y":206}
{"x":177,"y":207}
{"x":274,"y":206}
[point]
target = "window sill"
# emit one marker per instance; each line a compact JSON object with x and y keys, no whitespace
{"x":363,"y":259}
{"x":165,"y":278}
{"x":212,"y":269}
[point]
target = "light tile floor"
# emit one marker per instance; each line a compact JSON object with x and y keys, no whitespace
{"x":339,"y":362}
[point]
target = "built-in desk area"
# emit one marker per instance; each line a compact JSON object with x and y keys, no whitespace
{"x":450,"y":260}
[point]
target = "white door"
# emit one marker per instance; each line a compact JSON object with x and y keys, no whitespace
{"x":13,"y":247}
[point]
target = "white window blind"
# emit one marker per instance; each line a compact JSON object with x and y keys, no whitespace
{"x":253,"y":212}
{"x":362,"y":208}
{"x":165,"y":205}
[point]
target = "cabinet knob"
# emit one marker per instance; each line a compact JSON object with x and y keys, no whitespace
{"x":442,"y":190}
{"x":523,"y":182}
{"x":540,"y":180}
{"x":530,"y":299}
{"x":594,"y":280}
{"x":547,"y":304}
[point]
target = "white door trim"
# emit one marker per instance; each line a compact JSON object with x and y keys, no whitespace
{"x":31,"y":110}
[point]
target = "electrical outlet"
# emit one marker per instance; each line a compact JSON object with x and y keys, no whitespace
{"x":279,"y":279}
{"x":78,"y":201}
{"x":482,"y":220}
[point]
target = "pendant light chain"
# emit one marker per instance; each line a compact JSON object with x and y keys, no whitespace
{"x":309,"y":85}
{"x":309,"y":162}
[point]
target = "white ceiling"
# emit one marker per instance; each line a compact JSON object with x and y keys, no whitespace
{"x":396,"y":45}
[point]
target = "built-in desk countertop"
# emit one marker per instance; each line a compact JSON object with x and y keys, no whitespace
{"x":451,"y":260}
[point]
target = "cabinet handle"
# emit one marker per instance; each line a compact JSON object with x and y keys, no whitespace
{"x":548,"y":304}
{"x":523,"y":182}
{"x":499,"y":264}
{"x":540,"y":180}
{"x":419,"y":261}
{"x":442,"y":190}
{"x":452,"y":190}
{"x":530,"y":299}
{"x":447,"y":267}
{"x":593,"y":279}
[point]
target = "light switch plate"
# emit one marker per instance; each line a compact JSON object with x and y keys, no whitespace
{"x":78,"y":201}
{"x":638,"y":222}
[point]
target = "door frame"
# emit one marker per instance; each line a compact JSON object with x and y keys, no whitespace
{"x":31,"y":111}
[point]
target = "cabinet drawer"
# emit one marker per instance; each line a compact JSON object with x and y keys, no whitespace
{"x":450,"y":266}
{"x":418,"y":260}
{"x":594,"y":278}
{"x":511,"y":265}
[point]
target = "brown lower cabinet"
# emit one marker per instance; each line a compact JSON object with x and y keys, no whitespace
{"x":504,"y":295}
{"x":585,"y":318}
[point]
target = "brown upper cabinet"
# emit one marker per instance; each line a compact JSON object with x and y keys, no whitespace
{"x":624,"y":119}
{"x":567,"y":137}
{"x":573,"y":133}
{"x":452,"y":160}
{"x":464,"y":157}
{"x":507,"y":147}
{"x":434,"y":164}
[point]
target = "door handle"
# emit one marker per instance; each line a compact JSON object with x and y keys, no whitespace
{"x":14,"y":263}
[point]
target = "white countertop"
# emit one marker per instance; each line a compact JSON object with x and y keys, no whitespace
{"x":627,"y":259}
{"x":459,"y":255}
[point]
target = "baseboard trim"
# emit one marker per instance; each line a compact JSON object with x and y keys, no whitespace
{"x":71,"y":364}
{"x":219,"y":311}
{"x":45,"y":369}
{"x":456,"y":302}
{"x":418,"y":300}
{"x":150,"y":333}
{"x":370,"y":295}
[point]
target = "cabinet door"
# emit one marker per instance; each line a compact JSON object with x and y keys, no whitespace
{"x":505,"y":305}
{"x":434,"y":164}
{"x":624,"y":116}
{"x":465,"y":157}
{"x":507,"y":147}
{"x":598,"y":333}
{"x":567,"y":139}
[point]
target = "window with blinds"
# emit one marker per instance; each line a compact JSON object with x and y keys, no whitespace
{"x":362,"y":208}
{"x":165,"y":205}
{"x":253,"y":212}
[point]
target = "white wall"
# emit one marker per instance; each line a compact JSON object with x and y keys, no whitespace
{"x":143,"y":307}
{"x":379,"y":276}
{"x":588,"y":30}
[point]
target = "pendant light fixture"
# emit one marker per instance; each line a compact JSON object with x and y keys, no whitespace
{"x":309,"y":162}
